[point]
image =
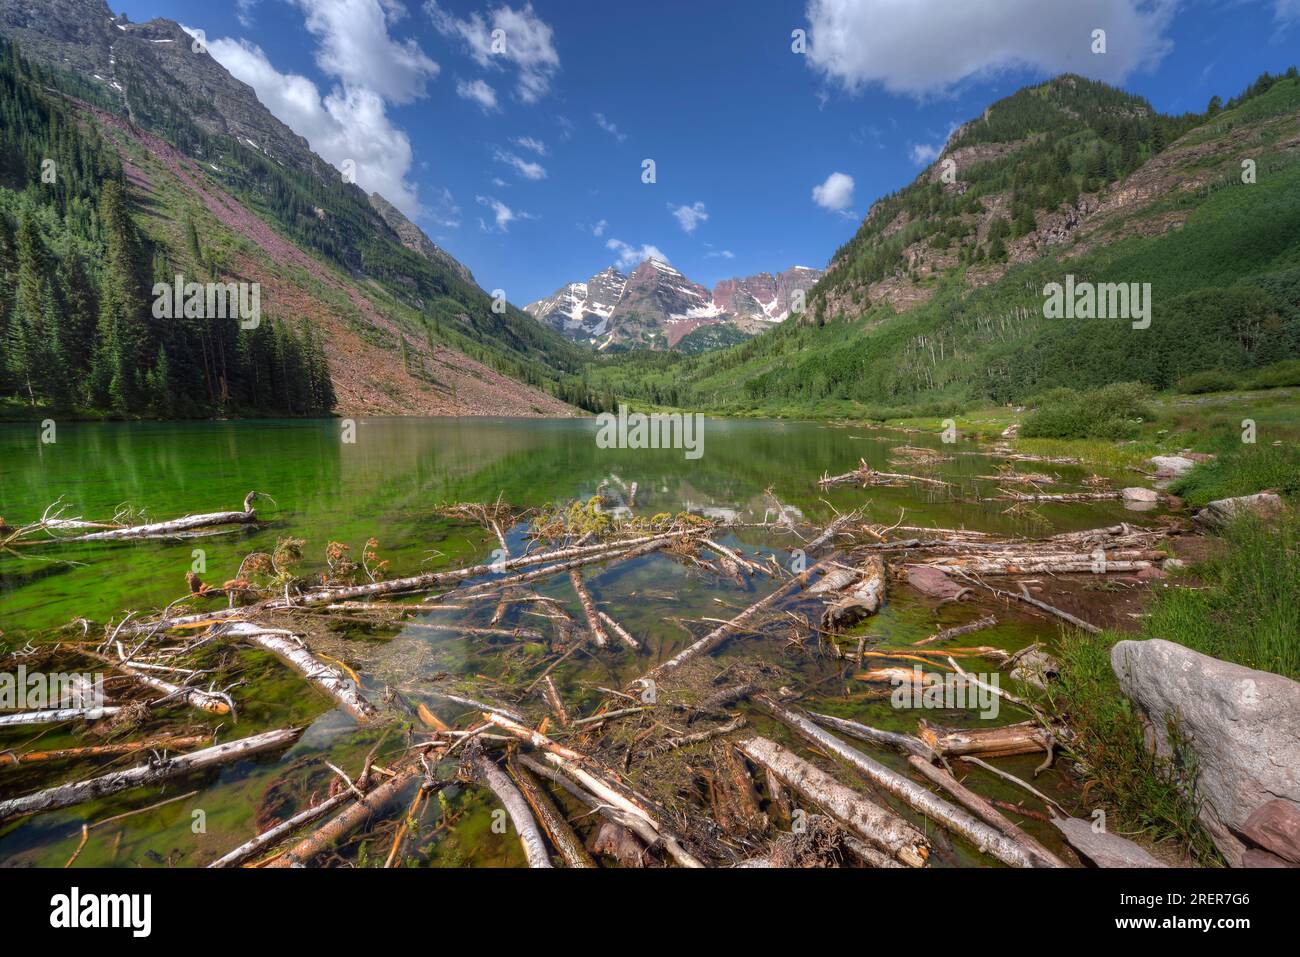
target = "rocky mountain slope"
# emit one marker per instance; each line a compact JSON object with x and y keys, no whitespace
{"x":406,"y":329}
{"x":657,"y":307}
{"x":938,"y":299}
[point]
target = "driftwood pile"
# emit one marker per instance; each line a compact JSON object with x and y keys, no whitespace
{"x":665,"y":769}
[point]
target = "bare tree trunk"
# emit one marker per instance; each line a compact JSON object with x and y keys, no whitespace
{"x":66,"y":795}
{"x":877,"y":826}
{"x":550,"y":817}
{"x":486,"y":771}
{"x":588,"y":608}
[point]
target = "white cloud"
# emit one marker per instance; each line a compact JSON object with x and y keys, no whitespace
{"x":596,"y":229}
{"x":350,"y":123}
{"x":836,"y":193}
{"x":478,"y":92}
{"x":922,"y":47}
{"x":355,"y":47}
{"x":629,"y":256}
{"x":444,"y":210}
{"x":244,"y":12}
{"x":502,"y":213}
{"x":525,"y":40}
{"x":1287,"y":11}
{"x":924,"y":153}
{"x":689,"y":217}
{"x":720,"y":254}
{"x":525,"y":168}
{"x":609,"y":127}
{"x":528,"y":143}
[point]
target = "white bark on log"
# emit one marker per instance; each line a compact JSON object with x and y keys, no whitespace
{"x":987,"y":812}
{"x":622,"y":633}
{"x":416,"y":583}
{"x":57,"y":714}
{"x":194,"y":697}
{"x":596,"y":779}
{"x":166,"y":529}
{"x":906,"y":743}
{"x":720,"y":634}
{"x":329,"y":679}
{"x":356,"y":814}
{"x":66,"y":795}
{"x":588,"y":608}
{"x":271,"y":835}
{"x":986,"y":839}
{"x":521,"y":815}
{"x":877,"y":826}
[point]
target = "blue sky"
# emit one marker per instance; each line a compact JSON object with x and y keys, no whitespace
{"x":525,"y":161}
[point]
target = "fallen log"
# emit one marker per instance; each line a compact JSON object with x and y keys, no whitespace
{"x":168,"y":529}
{"x":986,"y":839}
{"x":877,"y":826}
{"x":861,"y":600}
{"x":985,"y":811}
{"x":1027,"y":737}
{"x":282,"y":643}
{"x":354,"y":816}
{"x":720,"y":634}
{"x":589,"y":609}
{"x":555,"y":824}
{"x":622,"y":633}
{"x":988,"y":621}
{"x":195,"y":698}
{"x":587,"y":554}
{"x":906,"y":743}
{"x":596,"y":779}
{"x":485,"y":771}
{"x":865,"y":475}
{"x":66,"y":795}
{"x":174,"y":743}
{"x":273,"y":835}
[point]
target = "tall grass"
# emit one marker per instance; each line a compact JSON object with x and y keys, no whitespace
{"x":1241,"y":469}
{"x":1246,"y":610}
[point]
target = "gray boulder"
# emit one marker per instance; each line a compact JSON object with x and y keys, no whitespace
{"x":1172,"y":466}
{"x":1242,"y":725}
{"x":1219,"y":513}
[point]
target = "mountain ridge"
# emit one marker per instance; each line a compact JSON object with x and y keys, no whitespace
{"x":656,"y":306}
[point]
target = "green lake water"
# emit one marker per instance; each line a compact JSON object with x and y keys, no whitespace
{"x":387,"y":485}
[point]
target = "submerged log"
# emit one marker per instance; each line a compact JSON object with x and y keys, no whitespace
{"x":720,"y":634}
{"x":66,"y":795}
{"x":988,"y":621}
{"x":288,"y":649}
{"x":985,"y":838}
{"x":550,"y":817}
{"x":982,"y":809}
{"x":588,"y":608}
{"x":597,"y":780}
{"x":877,"y":826}
{"x":906,"y":743}
{"x":485,"y":770}
{"x":172,"y":743}
{"x":354,"y":816}
{"x":272,"y":835}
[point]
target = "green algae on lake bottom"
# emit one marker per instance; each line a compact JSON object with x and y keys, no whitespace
{"x":388,"y":485}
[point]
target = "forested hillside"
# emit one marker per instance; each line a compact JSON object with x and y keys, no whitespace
{"x":938,"y":299}
{"x":395,"y":323}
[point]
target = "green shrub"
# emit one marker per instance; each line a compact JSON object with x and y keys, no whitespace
{"x":1211,"y":380}
{"x":1276,"y":376}
{"x":1111,"y":412}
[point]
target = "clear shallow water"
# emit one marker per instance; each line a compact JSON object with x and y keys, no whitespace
{"x":387,"y":486}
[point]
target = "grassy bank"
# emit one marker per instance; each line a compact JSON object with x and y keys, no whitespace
{"x":1245,"y":608}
